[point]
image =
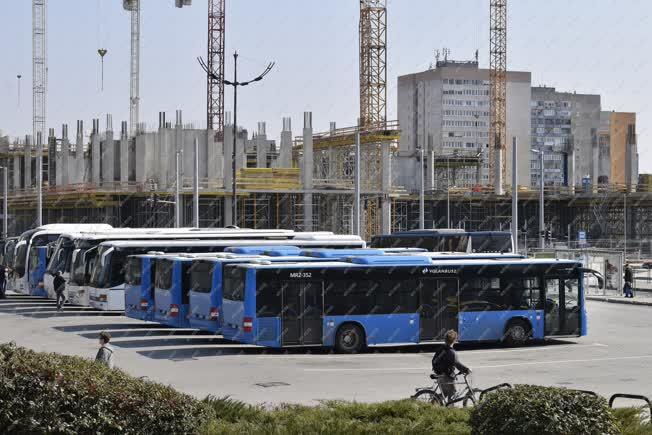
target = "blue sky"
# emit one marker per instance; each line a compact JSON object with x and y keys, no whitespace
{"x":589,"y":46}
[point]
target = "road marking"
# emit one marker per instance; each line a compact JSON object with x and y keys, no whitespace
{"x":476,"y":367}
{"x":406,"y":352}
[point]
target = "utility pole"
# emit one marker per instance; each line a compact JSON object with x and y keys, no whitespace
{"x":356,"y":187}
{"x":5,"y":200}
{"x":515,"y":194}
{"x":625,"y":225}
{"x":448,"y":193}
{"x":195,"y":187}
{"x":422,"y":191}
{"x":542,"y":226}
{"x":235,"y":83}
{"x":177,"y":194}
{"x":39,"y":179}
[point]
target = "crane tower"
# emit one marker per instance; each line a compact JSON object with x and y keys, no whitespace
{"x":215,"y":66}
{"x":498,"y":80}
{"x":133,"y":6}
{"x":39,"y":66}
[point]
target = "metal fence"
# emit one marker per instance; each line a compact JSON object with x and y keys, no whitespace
{"x":610,"y":263}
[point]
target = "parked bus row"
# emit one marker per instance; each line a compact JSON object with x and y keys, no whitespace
{"x":280,"y":288}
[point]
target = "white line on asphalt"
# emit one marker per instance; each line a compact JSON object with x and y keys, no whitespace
{"x":475,"y":367}
{"x":428,"y":354}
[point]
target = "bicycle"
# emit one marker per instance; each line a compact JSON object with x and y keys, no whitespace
{"x":435,"y":396}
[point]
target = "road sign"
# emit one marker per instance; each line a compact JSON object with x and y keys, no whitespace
{"x":581,"y":237}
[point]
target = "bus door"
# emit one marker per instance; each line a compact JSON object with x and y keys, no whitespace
{"x":562,"y":311}
{"x":438,"y":307}
{"x":303,"y":306}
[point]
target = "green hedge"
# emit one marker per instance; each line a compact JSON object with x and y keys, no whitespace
{"x":529,"y":409}
{"x":333,"y":417}
{"x":43,"y":392}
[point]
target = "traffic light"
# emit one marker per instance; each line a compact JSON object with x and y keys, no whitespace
{"x":549,"y":235}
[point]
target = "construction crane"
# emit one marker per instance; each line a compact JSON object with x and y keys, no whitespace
{"x":373,"y":101}
{"x":39,"y":67}
{"x":133,"y":6}
{"x":215,"y":68}
{"x":498,"y":81}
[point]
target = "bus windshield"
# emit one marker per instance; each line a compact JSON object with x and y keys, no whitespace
{"x":164,"y":274}
{"x":61,"y":256}
{"x":499,"y":243}
{"x":33,"y":259}
{"x":201,"y":274}
{"x":101,"y":263}
{"x":19,"y":263}
{"x":133,"y":274}
{"x":9,"y":253}
{"x":234,"y":283}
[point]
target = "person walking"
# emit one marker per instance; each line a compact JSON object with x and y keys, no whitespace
{"x":629,"y":282}
{"x":105,"y":353}
{"x":59,"y":288}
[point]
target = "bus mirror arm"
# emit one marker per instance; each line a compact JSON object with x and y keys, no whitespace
{"x":595,"y":273}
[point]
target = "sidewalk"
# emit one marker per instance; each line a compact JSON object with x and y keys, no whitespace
{"x":636,"y":300}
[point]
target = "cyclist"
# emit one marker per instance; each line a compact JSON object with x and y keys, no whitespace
{"x":444,"y":363}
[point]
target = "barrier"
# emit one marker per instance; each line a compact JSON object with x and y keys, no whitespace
{"x":494,"y":388}
{"x":613,"y":398}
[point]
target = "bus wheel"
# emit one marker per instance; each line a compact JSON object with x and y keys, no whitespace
{"x":518,"y":333}
{"x":349,"y":339}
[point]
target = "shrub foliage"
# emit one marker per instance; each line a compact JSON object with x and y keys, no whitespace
{"x":52,"y":393}
{"x":529,"y":409}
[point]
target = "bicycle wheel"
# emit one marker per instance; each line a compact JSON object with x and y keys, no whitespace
{"x":472,"y":397}
{"x":428,"y":396}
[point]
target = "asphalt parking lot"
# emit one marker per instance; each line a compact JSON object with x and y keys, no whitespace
{"x":615,"y":357}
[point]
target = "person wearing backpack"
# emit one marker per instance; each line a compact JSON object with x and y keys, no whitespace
{"x":444,"y":363}
{"x":59,"y":288}
{"x":105,"y":353}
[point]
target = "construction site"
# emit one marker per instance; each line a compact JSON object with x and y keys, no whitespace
{"x":363,"y":178}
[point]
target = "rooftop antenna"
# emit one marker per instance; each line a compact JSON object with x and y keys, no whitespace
{"x":437,"y":55}
{"x":476,"y":55}
{"x":447,"y":51}
{"x":19,"y":77}
{"x":102,"y":52}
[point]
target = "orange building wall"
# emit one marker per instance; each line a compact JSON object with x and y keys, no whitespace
{"x":618,"y":144}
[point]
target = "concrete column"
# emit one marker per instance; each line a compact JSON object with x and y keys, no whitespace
{"x":57,"y":158}
{"x":124,"y":152}
{"x":27,"y":183}
{"x":261,"y":146}
{"x":17,"y":174}
{"x":307,"y":171}
{"x":570,"y":163}
{"x":386,"y":185}
{"x":107,"y":155}
{"x":80,"y":163}
{"x":65,"y":157}
{"x":96,"y":154}
{"x":285,"y":153}
{"x":165,"y":161}
{"x":240,"y":151}
{"x":630,"y":159}
{"x":595,"y":160}
{"x":180,"y":146}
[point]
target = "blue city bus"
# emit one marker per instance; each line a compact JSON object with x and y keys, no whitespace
{"x":38,"y":260}
{"x":402,"y":299}
{"x":139,"y":285}
{"x":205,"y":293}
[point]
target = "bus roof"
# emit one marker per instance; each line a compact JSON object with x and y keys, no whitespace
{"x":339,"y":253}
{"x":369,"y":262}
{"x":428,"y":232}
{"x":278,"y":250}
{"x":222,"y":242}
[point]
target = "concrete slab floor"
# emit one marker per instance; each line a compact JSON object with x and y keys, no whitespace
{"x":615,"y":357}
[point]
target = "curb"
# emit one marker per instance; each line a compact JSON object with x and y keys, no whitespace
{"x":617,"y":301}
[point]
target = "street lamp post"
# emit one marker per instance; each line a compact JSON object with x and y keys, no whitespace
{"x":448,"y":193}
{"x":4,"y":203}
{"x":422,"y":191}
{"x":235,"y":83}
{"x":542,"y":230}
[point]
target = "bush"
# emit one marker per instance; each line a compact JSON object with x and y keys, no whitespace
{"x":397,"y":417}
{"x":41,"y":392}
{"x":633,"y":421}
{"x":529,"y":409}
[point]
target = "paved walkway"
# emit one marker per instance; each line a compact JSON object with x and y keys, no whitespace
{"x":645,"y":299}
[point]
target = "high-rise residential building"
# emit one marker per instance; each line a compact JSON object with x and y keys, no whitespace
{"x":623,"y":148}
{"x":445,"y":110}
{"x":565,"y":125}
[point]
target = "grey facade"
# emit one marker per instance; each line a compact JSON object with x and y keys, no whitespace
{"x":446,"y":110}
{"x":566,"y":126}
